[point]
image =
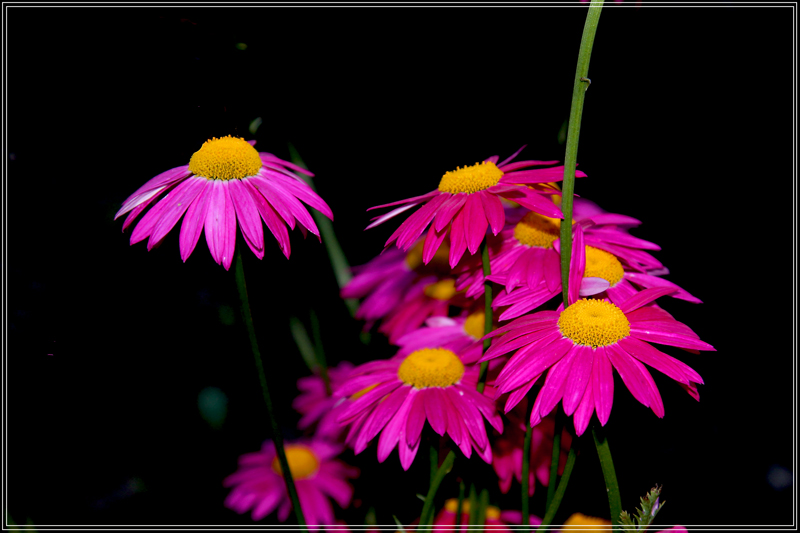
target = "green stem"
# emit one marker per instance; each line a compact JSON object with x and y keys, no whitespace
{"x":277,"y":438}
{"x":341,"y":268}
{"x":426,"y":518}
{"x":556,"y":455}
{"x":573,"y":133}
{"x":433,"y":454}
{"x":487,"y":322}
{"x":526,"y":468}
{"x":460,"y":506}
{"x":562,"y":488}
{"x":319,"y":351}
{"x":609,"y":475}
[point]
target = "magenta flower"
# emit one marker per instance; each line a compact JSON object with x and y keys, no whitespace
{"x":319,"y":407}
{"x":592,"y":271}
{"x":318,"y":476}
{"x":226,"y":180}
{"x":395,"y":397}
{"x":528,"y":253}
{"x":468,"y":201}
{"x":578,"y":348}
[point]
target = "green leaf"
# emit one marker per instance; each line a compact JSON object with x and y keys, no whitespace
{"x":303,"y":342}
{"x":399,"y":525}
{"x":646,"y":512}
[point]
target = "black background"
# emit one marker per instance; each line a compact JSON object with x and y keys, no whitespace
{"x":688,"y":126}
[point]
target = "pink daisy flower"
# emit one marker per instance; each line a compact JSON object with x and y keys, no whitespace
{"x":494,"y":517}
{"x":528,"y":253}
{"x":507,"y":452}
{"x":579,"y":347}
{"x":226,"y":180}
{"x":593,"y":271}
{"x":318,"y":476}
{"x":395,"y":397}
{"x":319,"y":407}
{"x":468,"y":201}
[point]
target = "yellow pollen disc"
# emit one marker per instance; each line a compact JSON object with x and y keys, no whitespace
{"x":362,"y":392}
{"x":601,"y":264}
{"x":225,"y":159}
{"x":579,"y":519}
{"x":451,"y":506}
{"x":471,"y":179}
{"x":475,"y":324}
{"x":431,"y":367}
{"x":302,"y":461}
{"x":439,"y":264}
{"x":537,"y":230}
{"x":441,"y":290}
{"x":594,"y":323}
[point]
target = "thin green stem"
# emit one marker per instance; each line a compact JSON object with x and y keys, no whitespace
{"x":277,"y":438}
{"x":560,"y":491}
{"x":433,"y":454}
{"x":581,"y":83}
{"x":487,"y":322}
{"x":526,"y":469}
{"x":556,"y":455}
{"x":319,"y":351}
{"x":609,"y":475}
{"x":426,"y":518}
{"x":460,"y":506}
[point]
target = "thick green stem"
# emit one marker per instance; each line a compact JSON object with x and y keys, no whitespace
{"x":609,"y":475}
{"x":573,"y":133}
{"x":562,"y":488}
{"x":556,"y":455}
{"x":276,"y":433}
{"x":487,"y":322}
{"x":426,"y":518}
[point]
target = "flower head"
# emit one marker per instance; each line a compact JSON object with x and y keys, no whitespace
{"x":579,"y":347}
{"x":225,"y":181}
{"x":468,"y":202}
{"x":395,"y":397}
{"x":258,"y":483}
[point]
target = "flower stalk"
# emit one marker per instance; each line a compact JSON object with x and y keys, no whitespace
{"x":426,"y":518}
{"x":277,"y":438}
{"x":609,"y":475}
{"x":580,"y":85}
{"x":487,"y":323}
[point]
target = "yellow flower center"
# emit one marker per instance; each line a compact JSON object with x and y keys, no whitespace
{"x":441,"y":290}
{"x":362,"y":392}
{"x":537,"y":230}
{"x":302,"y":461}
{"x":471,"y":179}
{"x":438,"y":265}
{"x":594,"y":323}
{"x":475,"y":324}
{"x":431,"y":367}
{"x":225,"y":159}
{"x":451,"y":506}
{"x":579,"y":519}
{"x":601,"y":264}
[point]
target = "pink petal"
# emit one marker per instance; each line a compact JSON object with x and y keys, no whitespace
{"x":580,"y":376}
{"x":475,"y":222}
{"x":434,"y":410}
{"x":583,"y":413}
{"x":644,"y":298}
{"x":180,"y":199}
{"x":270,"y":217}
{"x":452,"y":204}
{"x":194,"y":220}
{"x":247,"y":214}
{"x":602,"y":384}
{"x":458,"y":239}
{"x":495,"y":214}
